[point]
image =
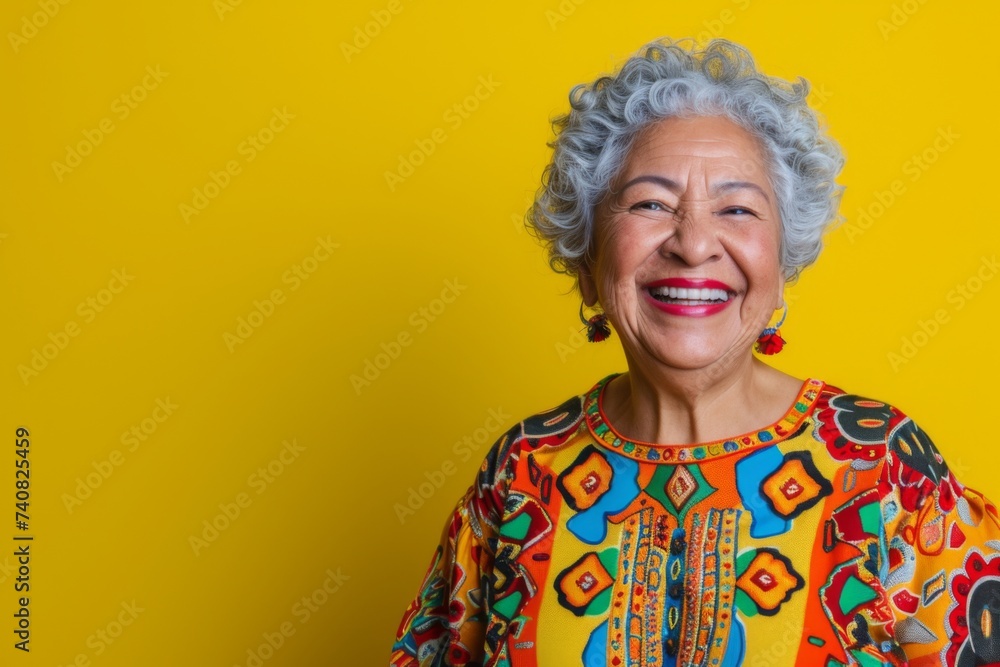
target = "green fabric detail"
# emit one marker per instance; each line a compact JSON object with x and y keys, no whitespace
{"x":609,"y":559}
{"x":871,"y":518}
{"x":856,"y":592}
{"x":599,"y":604}
{"x":746,"y":606}
{"x":516,"y":528}
{"x":743,"y":562}
{"x":508,"y":605}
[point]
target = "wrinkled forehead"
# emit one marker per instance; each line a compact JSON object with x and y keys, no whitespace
{"x":711,"y":148}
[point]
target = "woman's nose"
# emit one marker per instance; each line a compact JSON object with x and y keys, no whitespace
{"x":694,"y":239}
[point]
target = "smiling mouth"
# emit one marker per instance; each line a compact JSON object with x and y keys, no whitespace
{"x":689,"y":296}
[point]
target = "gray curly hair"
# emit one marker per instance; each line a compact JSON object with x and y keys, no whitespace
{"x":672,"y":78}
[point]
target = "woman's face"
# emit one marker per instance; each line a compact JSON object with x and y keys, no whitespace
{"x":691,"y":210}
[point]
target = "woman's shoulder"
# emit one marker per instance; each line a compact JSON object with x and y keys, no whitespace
{"x":548,"y":427}
{"x":862,"y":425}
{"x":858,"y":419}
{"x":870,"y":433}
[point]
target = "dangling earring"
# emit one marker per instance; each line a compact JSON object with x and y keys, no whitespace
{"x":598,"y":328}
{"x":770,"y":340}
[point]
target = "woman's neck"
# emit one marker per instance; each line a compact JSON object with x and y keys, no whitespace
{"x":680,"y":406}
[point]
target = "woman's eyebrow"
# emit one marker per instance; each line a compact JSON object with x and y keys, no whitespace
{"x":727,"y":186}
{"x":668,"y":183}
{"x":675,"y":187}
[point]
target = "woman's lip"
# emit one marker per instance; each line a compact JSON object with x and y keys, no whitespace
{"x":700,"y":310}
{"x":691,"y":282}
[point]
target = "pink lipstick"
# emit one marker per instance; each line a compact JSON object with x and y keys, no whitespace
{"x":693,"y":297}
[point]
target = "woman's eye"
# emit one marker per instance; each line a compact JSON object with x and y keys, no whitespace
{"x":650,"y":206}
{"x":738,"y":210}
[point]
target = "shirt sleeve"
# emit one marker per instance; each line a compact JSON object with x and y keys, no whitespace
{"x":445,"y":624}
{"x":941,"y":565}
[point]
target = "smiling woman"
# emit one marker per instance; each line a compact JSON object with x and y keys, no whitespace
{"x":696,"y":508}
{"x":695,"y":212}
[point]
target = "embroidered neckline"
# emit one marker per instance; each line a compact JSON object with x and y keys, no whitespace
{"x":602,"y":430}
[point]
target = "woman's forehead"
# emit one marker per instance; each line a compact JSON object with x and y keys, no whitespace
{"x":713,"y":146}
{"x":709,"y":137}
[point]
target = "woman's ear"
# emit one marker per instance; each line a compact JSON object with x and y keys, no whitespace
{"x":782,"y":282}
{"x":588,"y":289}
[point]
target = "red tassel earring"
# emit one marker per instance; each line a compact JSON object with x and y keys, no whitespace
{"x":770,"y":340}
{"x":598,"y":328}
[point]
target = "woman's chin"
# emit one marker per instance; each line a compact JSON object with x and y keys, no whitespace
{"x":691,"y":355}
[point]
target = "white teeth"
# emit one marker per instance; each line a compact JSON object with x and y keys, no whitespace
{"x":692,"y":294}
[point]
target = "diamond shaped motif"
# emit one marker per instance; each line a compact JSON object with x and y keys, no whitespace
{"x":680,"y":487}
{"x":795,"y":486}
{"x":764,"y":579}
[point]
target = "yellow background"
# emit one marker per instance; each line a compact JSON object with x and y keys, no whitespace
{"x":890,"y":78}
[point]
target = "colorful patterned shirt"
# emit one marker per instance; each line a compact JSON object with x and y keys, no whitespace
{"x":837,"y":535}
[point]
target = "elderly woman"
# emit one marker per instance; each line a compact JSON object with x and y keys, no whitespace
{"x":704,"y":508}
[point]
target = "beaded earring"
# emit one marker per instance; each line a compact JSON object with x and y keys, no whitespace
{"x":770,"y":340}
{"x":598,"y":328}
